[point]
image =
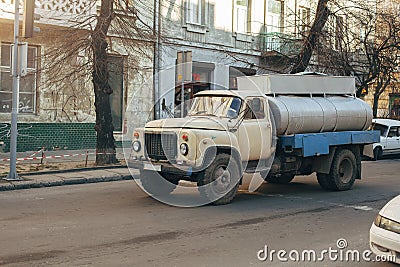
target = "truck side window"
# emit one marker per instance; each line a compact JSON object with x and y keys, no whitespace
{"x":255,"y":108}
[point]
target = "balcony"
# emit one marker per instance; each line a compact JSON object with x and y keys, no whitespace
{"x":276,"y":44}
{"x":54,"y":12}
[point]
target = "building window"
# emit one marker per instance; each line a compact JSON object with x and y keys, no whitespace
{"x":195,"y":12}
{"x":394,"y":105}
{"x":27,"y":86}
{"x":116,"y":82}
{"x":242,"y":16}
{"x":304,"y":19}
{"x":201,"y":80}
{"x":274,"y":15}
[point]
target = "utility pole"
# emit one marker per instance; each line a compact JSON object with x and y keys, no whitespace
{"x":18,"y":68}
{"x":12,"y":175}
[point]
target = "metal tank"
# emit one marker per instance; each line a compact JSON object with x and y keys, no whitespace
{"x":302,"y":114}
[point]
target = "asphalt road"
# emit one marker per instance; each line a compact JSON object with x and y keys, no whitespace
{"x":116,"y":224}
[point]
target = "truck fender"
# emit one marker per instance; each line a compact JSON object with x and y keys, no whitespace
{"x":211,"y":152}
{"x":322,"y":164}
{"x":357,"y":151}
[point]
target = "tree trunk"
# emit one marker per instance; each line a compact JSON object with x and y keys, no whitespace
{"x":303,"y":60}
{"x":375,"y":106}
{"x":105,"y":145}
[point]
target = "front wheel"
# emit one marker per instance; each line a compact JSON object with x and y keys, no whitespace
{"x":282,"y":179}
{"x":220,"y":181}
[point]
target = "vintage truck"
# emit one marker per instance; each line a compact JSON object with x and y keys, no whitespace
{"x":276,"y":125}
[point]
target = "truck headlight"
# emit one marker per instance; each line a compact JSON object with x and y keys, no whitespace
{"x":184,"y":149}
{"x":136,"y":146}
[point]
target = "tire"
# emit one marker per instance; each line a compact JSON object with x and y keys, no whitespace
{"x":219,"y":182}
{"x":342,"y":174}
{"x":282,"y":179}
{"x":157,"y":184}
{"x":377,"y":153}
{"x":324,"y":181}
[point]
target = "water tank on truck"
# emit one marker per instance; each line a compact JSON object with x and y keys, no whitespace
{"x":312,"y":103}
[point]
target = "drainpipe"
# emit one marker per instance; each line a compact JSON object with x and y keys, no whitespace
{"x":157,"y":58}
{"x":295,"y":18}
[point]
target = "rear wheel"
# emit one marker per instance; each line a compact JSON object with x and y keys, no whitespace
{"x":220,"y":181}
{"x":343,"y":172}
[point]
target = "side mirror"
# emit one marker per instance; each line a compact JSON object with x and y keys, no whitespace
{"x":232,"y":114}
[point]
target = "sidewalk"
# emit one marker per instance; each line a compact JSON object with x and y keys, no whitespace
{"x":69,"y":177}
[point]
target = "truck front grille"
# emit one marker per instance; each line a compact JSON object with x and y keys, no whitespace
{"x":161,"y":146}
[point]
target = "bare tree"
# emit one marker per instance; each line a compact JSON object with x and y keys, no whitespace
{"x":321,"y":17}
{"x":87,"y":42}
{"x":104,"y":125}
{"x":368,"y":47}
{"x":293,"y":51}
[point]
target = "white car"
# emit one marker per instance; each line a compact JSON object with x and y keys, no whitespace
{"x":385,"y":232}
{"x":390,"y":137}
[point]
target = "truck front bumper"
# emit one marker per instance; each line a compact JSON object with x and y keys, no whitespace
{"x":165,"y":167}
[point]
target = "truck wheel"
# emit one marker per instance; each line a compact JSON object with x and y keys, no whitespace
{"x":158,"y":184}
{"x":282,"y":179}
{"x":324,"y":181}
{"x":217,"y":180}
{"x":377,"y":153}
{"x":343,"y":172}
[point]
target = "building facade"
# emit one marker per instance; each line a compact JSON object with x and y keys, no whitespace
{"x":59,"y":113}
{"x":224,"y":39}
{"x":219,"y":39}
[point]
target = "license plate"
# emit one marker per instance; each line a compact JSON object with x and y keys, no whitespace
{"x":152,"y":167}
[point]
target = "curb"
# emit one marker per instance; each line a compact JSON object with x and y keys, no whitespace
{"x":72,"y":170}
{"x":74,"y":181}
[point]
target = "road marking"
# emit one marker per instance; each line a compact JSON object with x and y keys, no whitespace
{"x":356,"y":207}
{"x":365,"y":208}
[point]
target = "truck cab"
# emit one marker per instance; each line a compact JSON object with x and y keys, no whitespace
{"x":228,"y":127}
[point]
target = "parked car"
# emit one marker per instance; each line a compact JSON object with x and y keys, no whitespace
{"x":385,"y":232}
{"x":390,"y":137}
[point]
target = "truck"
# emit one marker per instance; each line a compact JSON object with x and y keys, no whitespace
{"x":278,"y":126}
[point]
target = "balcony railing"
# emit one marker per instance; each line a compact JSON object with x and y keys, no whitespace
{"x":280,"y":43}
{"x":57,"y":12}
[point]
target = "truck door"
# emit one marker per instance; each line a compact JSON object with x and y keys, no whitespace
{"x":255,"y":131}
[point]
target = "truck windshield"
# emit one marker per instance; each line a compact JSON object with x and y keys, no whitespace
{"x":221,"y":106}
